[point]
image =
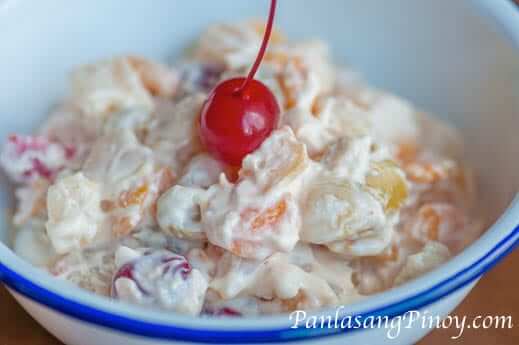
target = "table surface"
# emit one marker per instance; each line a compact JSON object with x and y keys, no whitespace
{"x":495,"y":294}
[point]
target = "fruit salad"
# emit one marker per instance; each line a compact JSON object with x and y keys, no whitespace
{"x":352,"y":191}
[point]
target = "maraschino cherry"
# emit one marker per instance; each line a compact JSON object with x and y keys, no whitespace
{"x":240,"y":113}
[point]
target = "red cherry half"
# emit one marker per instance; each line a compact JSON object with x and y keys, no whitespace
{"x":234,"y":123}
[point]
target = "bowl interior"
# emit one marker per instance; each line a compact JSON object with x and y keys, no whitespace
{"x":439,"y":54}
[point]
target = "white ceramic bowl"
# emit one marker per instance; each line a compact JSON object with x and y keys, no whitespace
{"x":455,"y":58}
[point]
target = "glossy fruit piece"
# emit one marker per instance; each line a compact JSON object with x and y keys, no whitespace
{"x":389,"y":182}
{"x":233,"y":124}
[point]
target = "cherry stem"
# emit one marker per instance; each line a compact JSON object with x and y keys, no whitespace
{"x":263,"y":48}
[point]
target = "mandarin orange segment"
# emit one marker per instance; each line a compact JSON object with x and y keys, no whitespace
{"x":107,"y":206}
{"x":135,"y":196}
{"x":150,"y":73}
{"x":270,"y":216}
{"x":288,"y":93}
{"x":142,"y":68}
{"x":463,"y":180}
{"x":424,"y":173}
{"x":277,"y":58}
{"x":407,"y":152}
{"x":166,"y":181}
{"x":122,"y":227}
{"x":389,"y":255}
{"x":282,"y":59}
{"x":295,"y":302}
{"x":296,"y":165}
{"x":243,"y":248}
{"x":286,"y":170}
{"x":317,"y":105}
{"x":431,"y":220}
{"x":40,"y":203}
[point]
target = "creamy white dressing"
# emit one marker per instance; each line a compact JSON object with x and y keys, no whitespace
{"x":354,"y":192}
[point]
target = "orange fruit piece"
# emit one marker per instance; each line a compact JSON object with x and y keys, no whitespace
{"x":134,"y":197}
{"x":270,"y":216}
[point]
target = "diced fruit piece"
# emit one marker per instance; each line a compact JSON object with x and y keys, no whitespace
{"x":163,"y":279}
{"x":74,"y":212}
{"x":256,"y":229}
{"x":109,"y":86}
{"x":337,"y":210}
{"x":444,"y":223}
{"x":134,"y":197}
{"x":349,"y":157}
{"x":179,"y":213}
{"x":389,"y":182}
{"x":27,"y":158}
{"x":158,"y":79}
{"x":202,"y":171}
{"x":233,"y":124}
{"x":277,"y":170}
{"x":270,"y":216}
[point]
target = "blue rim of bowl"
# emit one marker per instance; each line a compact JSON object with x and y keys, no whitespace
{"x":424,"y":298}
{"x":166,"y":332}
